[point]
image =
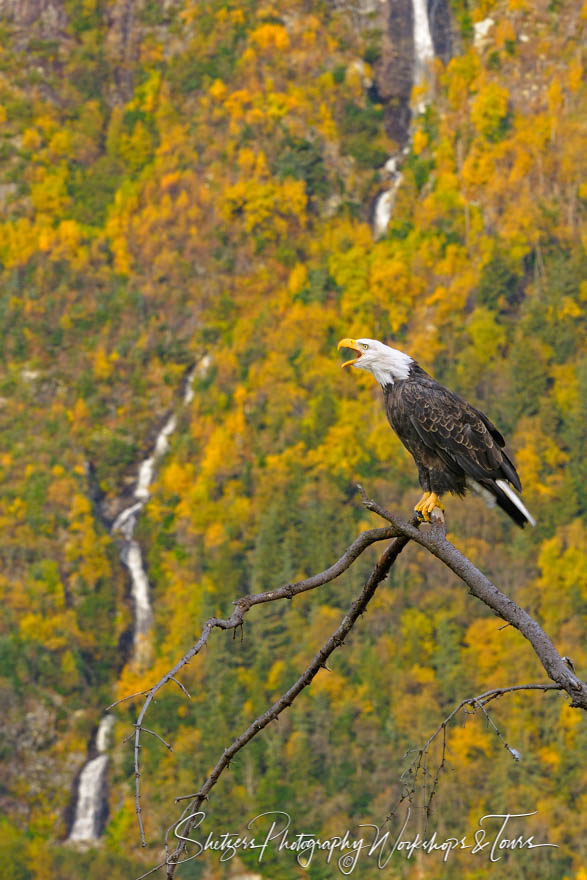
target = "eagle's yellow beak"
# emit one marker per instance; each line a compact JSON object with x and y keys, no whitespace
{"x":354,"y":345}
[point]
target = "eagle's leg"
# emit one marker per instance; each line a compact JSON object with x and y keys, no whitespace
{"x":422,"y":502}
{"x":432,"y":502}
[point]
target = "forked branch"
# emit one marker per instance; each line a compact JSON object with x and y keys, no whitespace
{"x":432,"y":539}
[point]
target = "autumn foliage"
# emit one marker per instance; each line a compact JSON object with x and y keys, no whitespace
{"x":204,"y":200}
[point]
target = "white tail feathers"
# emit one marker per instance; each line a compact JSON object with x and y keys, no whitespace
{"x":507,"y":490}
{"x":483,"y":493}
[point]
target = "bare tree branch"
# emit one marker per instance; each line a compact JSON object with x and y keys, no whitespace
{"x":152,"y":871}
{"x":513,"y":752}
{"x":434,"y":540}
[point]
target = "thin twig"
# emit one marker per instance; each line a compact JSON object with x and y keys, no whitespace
{"x":419,"y":763}
{"x":152,"y":732}
{"x":439,"y":770}
{"x":152,"y":871}
{"x":181,"y":686}
{"x":125,"y":699}
{"x":513,"y":752}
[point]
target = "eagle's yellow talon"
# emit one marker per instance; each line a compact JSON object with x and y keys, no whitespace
{"x":422,"y":502}
{"x":429,"y":505}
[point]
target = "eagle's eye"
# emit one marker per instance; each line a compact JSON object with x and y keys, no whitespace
{"x":364,"y":345}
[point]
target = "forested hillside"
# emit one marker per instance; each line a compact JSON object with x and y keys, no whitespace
{"x":190,"y":185}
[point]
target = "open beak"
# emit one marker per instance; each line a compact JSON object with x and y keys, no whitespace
{"x":354,"y":345}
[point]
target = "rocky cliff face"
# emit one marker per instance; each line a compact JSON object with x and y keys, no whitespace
{"x":394,"y":72}
{"x":48,"y":20}
{"x":440,"y":28}
{"x":122,"y":44}
{"x":395,"y":68}
{"x":46,"y":17}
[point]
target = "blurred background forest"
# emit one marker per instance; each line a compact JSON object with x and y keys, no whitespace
{"x":191,"y":184}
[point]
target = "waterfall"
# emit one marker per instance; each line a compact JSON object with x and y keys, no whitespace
{"x":91,"y":808}
{"x":384,"y":203}
{"x":147,"y":468}
{"x":423,"y":45}
{"x":125,"y":524}
{"x":130,"y":554}
{"x":423,"y":55}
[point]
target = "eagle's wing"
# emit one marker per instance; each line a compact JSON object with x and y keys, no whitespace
{"x":457,"y":432}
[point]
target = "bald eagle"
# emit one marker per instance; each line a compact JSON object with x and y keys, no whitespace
{"x":454,"y":445}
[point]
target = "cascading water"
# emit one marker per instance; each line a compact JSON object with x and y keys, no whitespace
{"x":90,"y":810}
{"x":130,"y":554}
{"x":91,"y":807}
{"x":423,"y":45}
{"x":383,"y":208}
{"x":423,"y":56}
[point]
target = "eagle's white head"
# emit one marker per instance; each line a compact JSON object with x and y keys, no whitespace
{"x":387,"y":364}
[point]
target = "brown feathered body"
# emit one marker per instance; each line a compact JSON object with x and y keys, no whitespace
{"x":455,"y":446}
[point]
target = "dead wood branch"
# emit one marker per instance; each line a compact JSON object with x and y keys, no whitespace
{"x":433,"y":539}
